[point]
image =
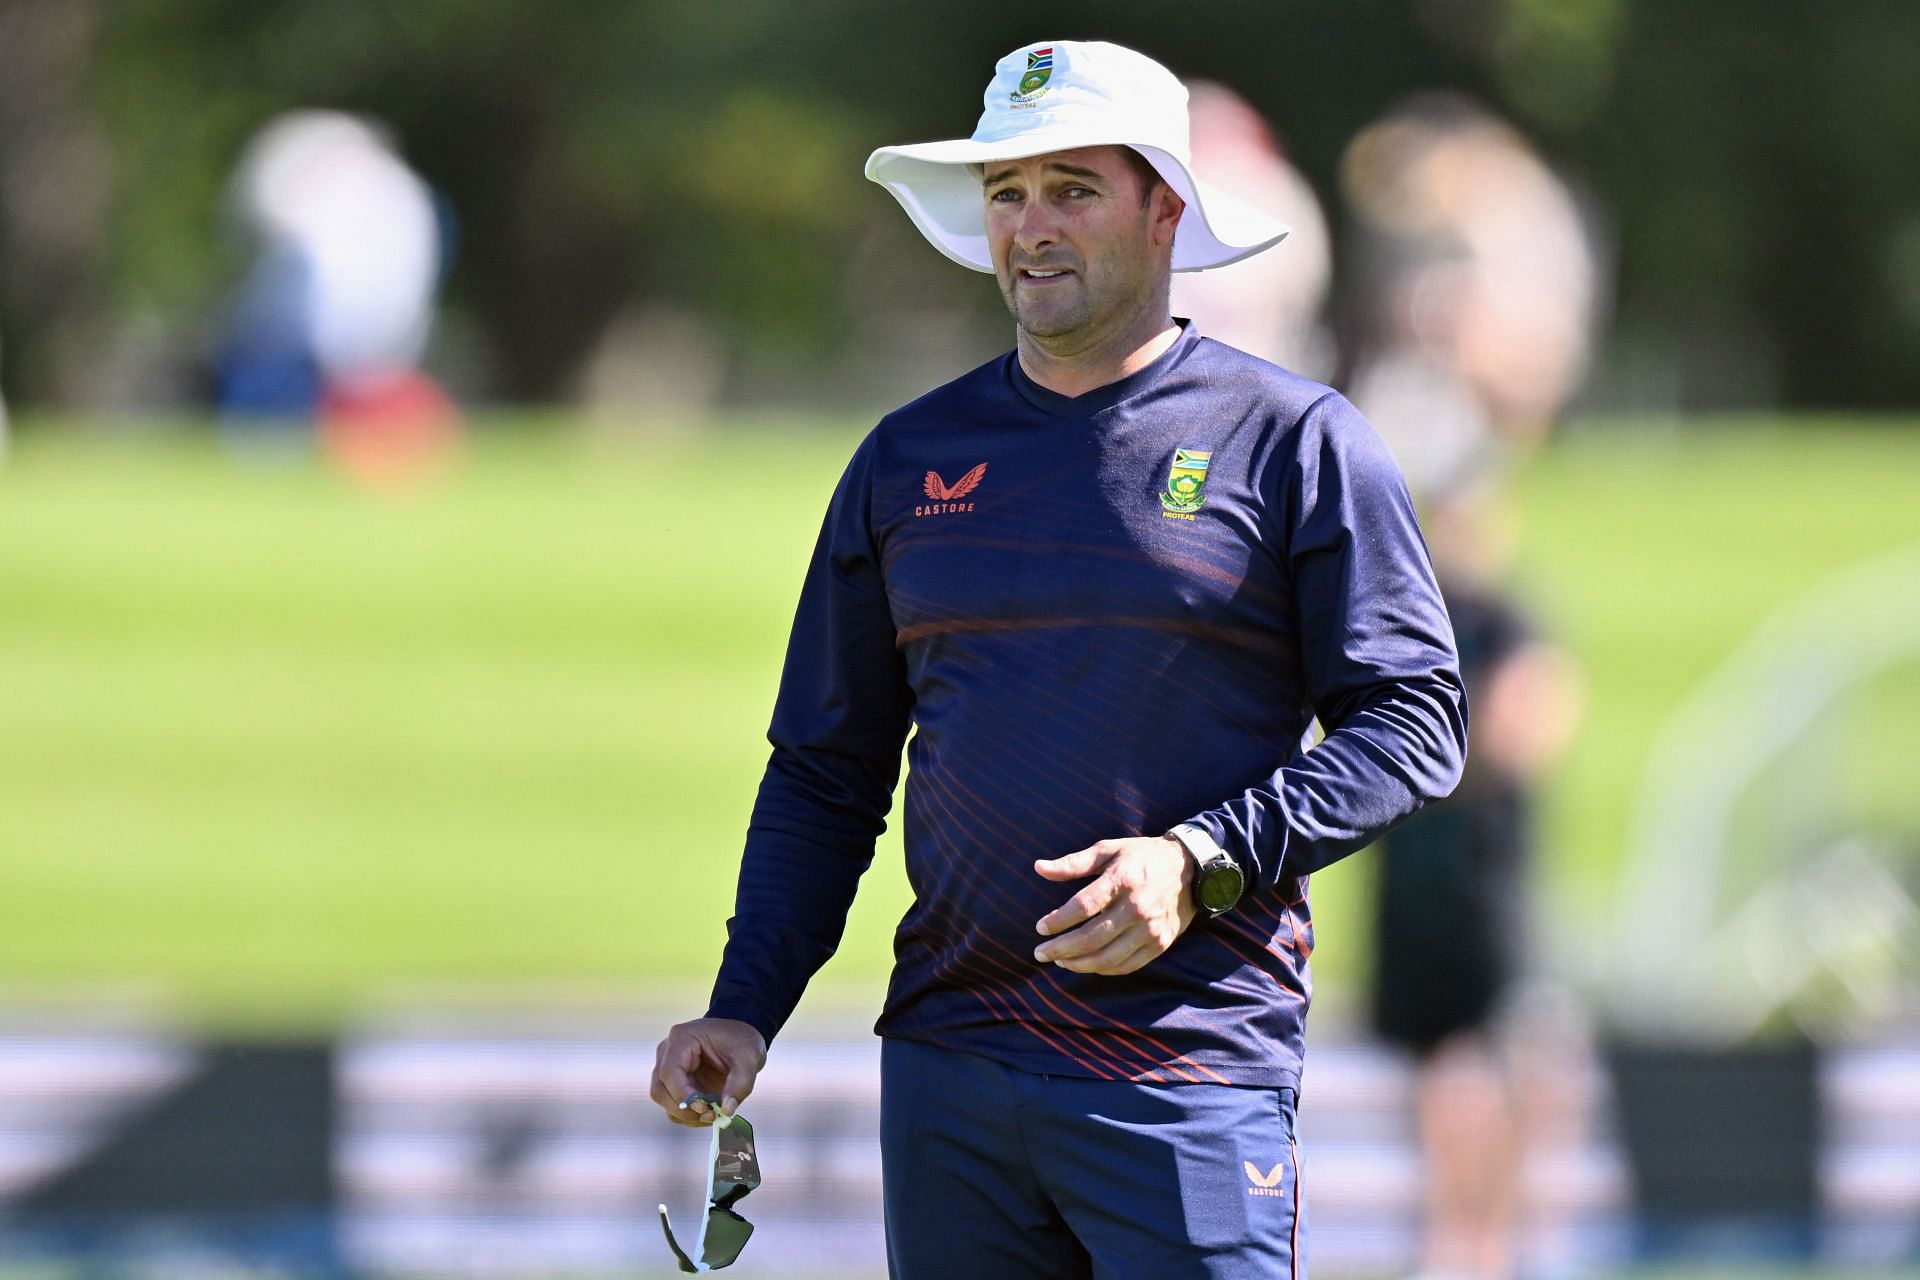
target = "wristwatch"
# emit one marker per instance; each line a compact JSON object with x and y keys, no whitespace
{"x":1218,"y":881}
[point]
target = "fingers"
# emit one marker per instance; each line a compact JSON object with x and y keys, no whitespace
{"x":1096,"y":933}
{"x":1118,"y":940}
{"x":1142,"y":956}
{"x":691,"y":1118}
{"x":679,"y":1055}
{"x":1091,"y":900}
{"x":1072,"y":866}
{"x":740,"y":1078}
{"x":682,"y":1065}
{"x":1132,"y":949}
{"x":1080,"y":908}
{"x":746,"y":1052}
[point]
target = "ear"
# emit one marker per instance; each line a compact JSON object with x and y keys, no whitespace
{"x":1167,"y":208}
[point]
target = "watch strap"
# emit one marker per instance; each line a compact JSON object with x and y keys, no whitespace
{"x":1197,"y":842}
{"x":1210,"y":861}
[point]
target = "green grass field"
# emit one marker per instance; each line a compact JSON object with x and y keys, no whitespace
{"x":270,"y":744}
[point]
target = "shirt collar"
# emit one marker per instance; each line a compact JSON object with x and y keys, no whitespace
{"x":1109,"y":394}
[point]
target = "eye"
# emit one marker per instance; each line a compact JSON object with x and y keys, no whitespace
{"x":1005,"y":195}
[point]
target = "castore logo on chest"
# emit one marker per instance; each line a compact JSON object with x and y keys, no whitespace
{"x":945,"y":497}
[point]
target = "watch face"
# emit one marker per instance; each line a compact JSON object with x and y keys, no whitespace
{"x":1220,"y":885}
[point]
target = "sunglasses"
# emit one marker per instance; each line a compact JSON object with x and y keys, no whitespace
{"x":733,"y":1170}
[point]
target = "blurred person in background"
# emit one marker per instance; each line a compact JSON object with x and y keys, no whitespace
{"x":1104,"y":581}
{"x":1270,"y":305}
{"x":1478,"y":290}
{"x":1451,"y":976}
{"x":333,"y":317}
{"x":1477,"y":303}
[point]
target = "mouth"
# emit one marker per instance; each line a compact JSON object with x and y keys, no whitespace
{"x":1043,"y":275}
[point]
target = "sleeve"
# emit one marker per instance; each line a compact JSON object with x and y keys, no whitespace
{"x":1377,"y":652}
{"x":839,"y":724}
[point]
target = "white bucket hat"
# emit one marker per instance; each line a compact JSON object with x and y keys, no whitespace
{"x":1055,"y":96}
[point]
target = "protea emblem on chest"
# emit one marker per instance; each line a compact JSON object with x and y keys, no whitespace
{"x":1186,"y":487}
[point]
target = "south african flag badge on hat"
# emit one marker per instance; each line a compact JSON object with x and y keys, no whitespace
{"x":1039,"y":71}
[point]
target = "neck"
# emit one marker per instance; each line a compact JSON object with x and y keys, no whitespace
{"x":1061,"y":366}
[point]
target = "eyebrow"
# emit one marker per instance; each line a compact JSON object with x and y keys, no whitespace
{"x":1073,"y":170}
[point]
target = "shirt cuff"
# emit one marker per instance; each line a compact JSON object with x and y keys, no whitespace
{"x":755,"y":1018}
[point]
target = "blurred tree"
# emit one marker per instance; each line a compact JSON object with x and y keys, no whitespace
{"x":1754,"y":155}
{"x":616,"y":153}
{"x":1759,"y":160}
{"x":53,"y":193}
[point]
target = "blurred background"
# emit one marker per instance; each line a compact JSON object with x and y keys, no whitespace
{"x":415,"y":421}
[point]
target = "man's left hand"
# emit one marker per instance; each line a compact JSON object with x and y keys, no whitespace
{"x":1126,"y":918}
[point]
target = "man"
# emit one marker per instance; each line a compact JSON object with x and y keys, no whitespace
{"x":1108,"y":579}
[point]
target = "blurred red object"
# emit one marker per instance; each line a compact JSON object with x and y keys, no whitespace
{"x":389,"y":430}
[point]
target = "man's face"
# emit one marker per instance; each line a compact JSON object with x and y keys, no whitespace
{"x":1075,"y":248}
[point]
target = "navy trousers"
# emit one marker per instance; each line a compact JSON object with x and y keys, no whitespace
{"x":996,"y":1174}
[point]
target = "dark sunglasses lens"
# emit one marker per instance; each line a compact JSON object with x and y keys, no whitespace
{"x":736,"y":1164}
{"x":727,"y":1235}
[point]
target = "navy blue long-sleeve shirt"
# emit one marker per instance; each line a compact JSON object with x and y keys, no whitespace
{"x":1099,"y":616}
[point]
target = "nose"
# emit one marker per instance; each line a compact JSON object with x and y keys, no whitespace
{"x":1038,"y":229}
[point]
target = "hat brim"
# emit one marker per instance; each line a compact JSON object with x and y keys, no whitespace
{"x":931,"y":182}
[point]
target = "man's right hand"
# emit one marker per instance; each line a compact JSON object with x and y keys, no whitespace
{"x":716,"y":1056}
